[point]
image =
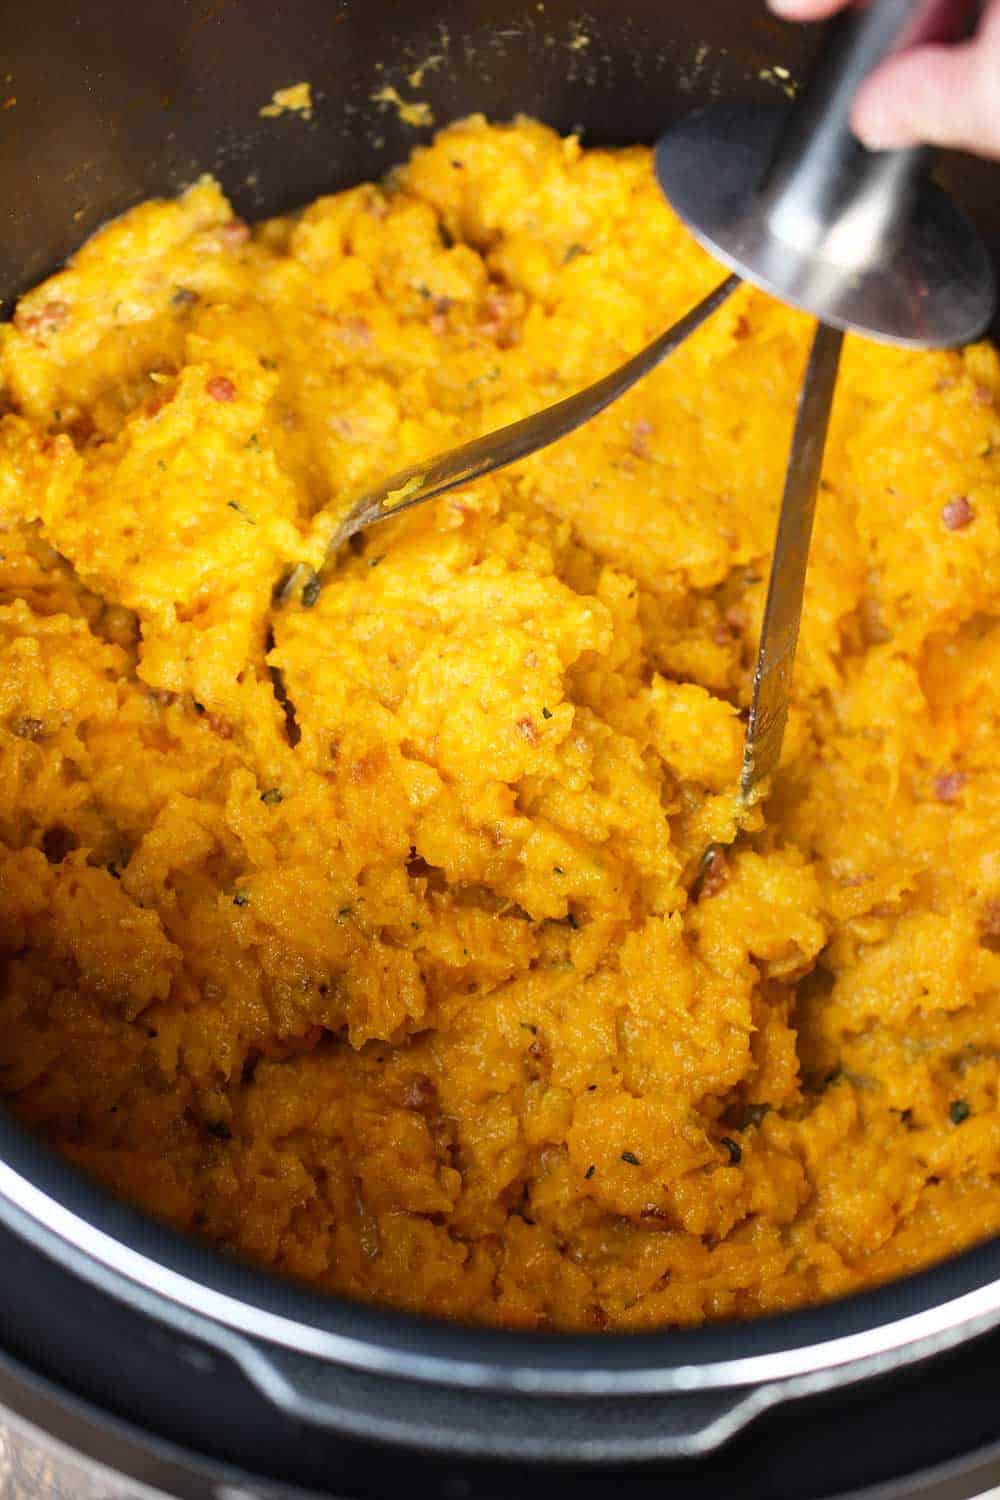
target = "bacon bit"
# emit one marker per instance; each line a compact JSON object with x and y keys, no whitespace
{"x":368,"y":767}
{"x":220,"y":726}
{"x":28,"y":729}
{"x":948,"y":784}
{"x":155,"y":405}
{"x":500,"y":309}
{"x":420,"y":1092}
{"x":641,"y":432}
{"x":281,"y":1047}
{"x":991,"y":919}
{"x":48,"y":319}
{"x":221,"y":388}
{"x":236,"y":232}
{"x":716,"y":874}
{"x":983,"y":396}
{"x":526,"y":729}
{"x":957,"y":513}
{"x":355,"y":332}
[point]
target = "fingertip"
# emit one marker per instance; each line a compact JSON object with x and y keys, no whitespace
{"x":805,"y":10}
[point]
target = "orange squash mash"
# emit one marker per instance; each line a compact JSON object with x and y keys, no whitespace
{"x":400,"y":991}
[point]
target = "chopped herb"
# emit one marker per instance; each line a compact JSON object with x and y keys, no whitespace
{"x":183,"y":297}
{"x":267,"y":363}
{"x":374,"y":562}
{"x":253,"y":441}
{"x":558,"y":870}
{"x":465,"y":952}
{"x":591,"y":1088}
{"x":114,"y":871}
{"x":220,"y":1130}
{"x":735,"y":1150}
{"x":527,"y":1026}
{"x":345,"y":911}
{"x":161,"y":465}
{"x":415,"y":926}
{"x":572,"y":921}
{"x":311,"y":592}
{"x":272,"y":796}
{"x":58,"y":414}
{"x":590,"y":1172}
{"x":546,"y":713}
{"x":631,"y":1158}
{"x":242,"y":898}
{"x":959,"y":1111}
{"x":236,"y":506}
{"x":573,"y":252}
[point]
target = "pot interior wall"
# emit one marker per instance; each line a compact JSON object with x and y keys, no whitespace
{"x":105,"y":104}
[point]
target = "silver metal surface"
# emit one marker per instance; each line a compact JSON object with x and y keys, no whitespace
{"x":786,"y":585}
{"x":495,"y":450}
{"x":789,"y":199}
{"x":230,"y":1323}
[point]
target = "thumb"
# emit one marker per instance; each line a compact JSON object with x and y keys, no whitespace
{"x":936,"y":95}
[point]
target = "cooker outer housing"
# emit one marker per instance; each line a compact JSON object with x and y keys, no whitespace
{"x":113,"y":102}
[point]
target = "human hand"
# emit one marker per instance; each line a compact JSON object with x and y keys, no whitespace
{"x":934,"y":93}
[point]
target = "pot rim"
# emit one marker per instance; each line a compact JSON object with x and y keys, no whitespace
{"x":131,"y":1256}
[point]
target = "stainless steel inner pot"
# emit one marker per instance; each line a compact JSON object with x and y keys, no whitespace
{"x":113,"y":102}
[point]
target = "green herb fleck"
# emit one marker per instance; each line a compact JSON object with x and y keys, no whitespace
{"x":272,"y":796}
{"x":558,"y":870}
{"x":242,"y":898}
{"x":590,"y":1172}
{"x":573,"y":252}
{"x":572,"y":921}
{"x":546,"y":713}
{"x":374,"y":562}
{"x":311,"y":592}
{"x":161,"y":465}
{"x":345,"y":911}
{"x":527,"y":1026}
{"x":735,"y":1150}
{"x":253,"y":441}
{"x":631,"y":1158}
{"x":235,"y":505}
{"x":267,"y":363}
{"x":959,"y":1110}
{"x":58,"y":414}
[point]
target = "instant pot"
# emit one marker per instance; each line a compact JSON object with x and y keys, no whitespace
{"x":189,"y":1374}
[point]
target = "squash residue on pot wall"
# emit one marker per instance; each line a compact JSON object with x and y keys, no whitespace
{"x":408,"y":999}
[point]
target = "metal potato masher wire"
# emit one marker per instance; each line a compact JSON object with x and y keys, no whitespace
{"x":790,"y":201}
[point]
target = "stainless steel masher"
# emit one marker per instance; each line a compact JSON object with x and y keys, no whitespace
{"x":788,"y":199}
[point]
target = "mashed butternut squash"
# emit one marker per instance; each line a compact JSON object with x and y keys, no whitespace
{"x":398,"y":988}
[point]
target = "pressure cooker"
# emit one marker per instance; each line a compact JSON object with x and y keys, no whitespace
{"x":184,"y":1373}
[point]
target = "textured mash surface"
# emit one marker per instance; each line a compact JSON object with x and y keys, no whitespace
{"x":417,"y":1007}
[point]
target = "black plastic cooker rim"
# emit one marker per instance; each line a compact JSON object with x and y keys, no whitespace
{"x":132,"y":1256}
